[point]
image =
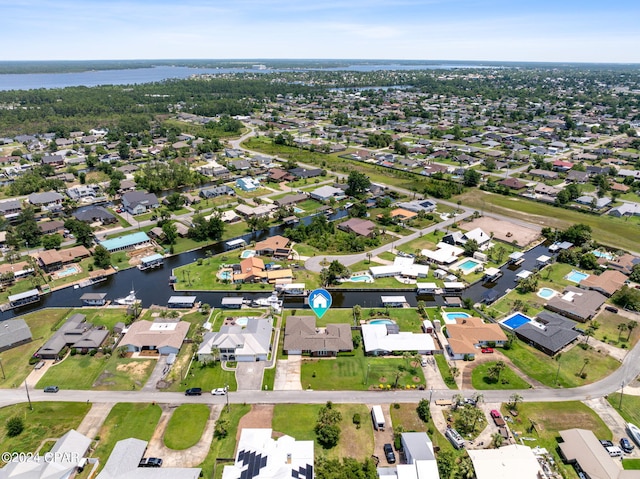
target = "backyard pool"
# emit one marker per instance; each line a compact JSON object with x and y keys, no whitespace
{"x":450,"y":318}
{"x":516,"y":320}
{"x":225,"y":275}
{"x":602,"y":254}
{"x":67,"y":272}
{"x":576,"y":276}
{"x":241,"y":321}
{"x":297,"y":210}
{"x":468,"y":266}
{"x":361,"y":278}
{"x":248,"y":253}
{"x":546,"y":293}
{"x":382,"y":321}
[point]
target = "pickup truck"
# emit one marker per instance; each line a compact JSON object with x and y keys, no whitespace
{"x":497,"y":418}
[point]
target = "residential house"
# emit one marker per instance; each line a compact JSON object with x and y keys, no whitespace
{"x":251,"y":270}
{"x":512,"y":183}
{"x":384,"y":339}
{"x":122,"y":243}
{"x":275,"y":246}
{"x":239,"y":165}
{"x":575,"y":176}
{"x":545,"y":174}
{"x":95,"y":214}
{"x":606,"y":283}
{"x":470,"y":334}
{"x":419,"y":205}
{"x":259,"y":456}
{"x":83,"y":192}
{"x":624,"y":263}
{"x":302,"y":173}
{"x":545,"y":190}
{"x":10,"y":209}
{"x":74,"y":333}
{"x":257,"y":211}
{"x":551,"y":334}
{"x":235,"y":342}
{"x":216,"y":191}
{"x":52,"y":260}
{"x":625,"y":209}
{"x":460,"y":238}
{"x":278,"y":175}
{"x":301,"y":336}
{"x":53,"y":160}
{"x":577,"y":304}
{"x":325,"y":193}
{"x":51,"y":227}
{"x":15,"y":332}
{"x":512,"y":460}
{"x":290,"y":200}
{"x":420,"y":460}
{"x":594,"y":201}
{"x":359,"y":226}
{"x":138,"y":202}
{"x":49,"y":200}
{"x":248,"y":184}
{"x":582,"y":448}
{"x":162,"y":335}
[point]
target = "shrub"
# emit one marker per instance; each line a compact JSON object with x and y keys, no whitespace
{"x":424,"y":413}
{"x":222,"y":428}
{"x":34,"y":360}
{"x":357,"y":420}
{"x":73,"y":351}
{"x":93,"y":352}
{"x":15,"y":426}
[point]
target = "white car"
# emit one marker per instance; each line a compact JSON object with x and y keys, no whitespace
{"x":219,"y":391}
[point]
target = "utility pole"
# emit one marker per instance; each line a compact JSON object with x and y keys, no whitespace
{"x":430,"y":395}
{"x":2,"y":367}
{"x":226,"y":393}
{"x":28,"y":398}
{"x":621,"y":394}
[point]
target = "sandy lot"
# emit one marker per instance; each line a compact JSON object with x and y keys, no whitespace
{"x":260,"y":416}
{"x":504,"y":230}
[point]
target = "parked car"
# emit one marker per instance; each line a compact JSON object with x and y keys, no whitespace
{"x":606,"y":443}
{"x":193,"y":392}
{"x":423,"y":362}
{"x":626,"y":445}
{"x":51,"y":389}
{"x":487,"y":350}
{"x":389,"y":454}
{"x":219,"y":391}
{"x":150,"y":462}
{"x":611,"y":309}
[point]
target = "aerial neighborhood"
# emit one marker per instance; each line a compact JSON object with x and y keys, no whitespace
{"x":402,"y":274}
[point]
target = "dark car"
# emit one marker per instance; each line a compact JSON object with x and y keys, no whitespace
{"x":626,"y":445}
{"x":193,"y":392}
{"x":150,"y":462}
{"x":606,"y":443}
{"x":389,"y":454}
{"x":51,"y":389}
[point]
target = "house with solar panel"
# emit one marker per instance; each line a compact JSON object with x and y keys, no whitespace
{"x":259,"y":456}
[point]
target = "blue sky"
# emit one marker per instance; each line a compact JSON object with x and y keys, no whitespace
{"x":514,"y":30}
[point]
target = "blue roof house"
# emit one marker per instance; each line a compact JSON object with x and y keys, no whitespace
{"x":247,"y":184}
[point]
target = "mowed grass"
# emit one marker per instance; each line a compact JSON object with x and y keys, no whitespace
{"x":480,"y":378}
{"x":608,"y":330}
{"x":631,"y":464}
{"x":222,"y":448}
{"x":353,"y":442}
{"x":543,"y":368}
{"x":83,"y":371}
{"x":550,"y":418}
{"x":102,"y":316}
{"x":16,"y":360}
{"x":405,"y":415}
{"x":186,"y":426}
{"x":126,"y":420}
{"x":47,"y":420}
{"x":615,"y":232}
{"x":203,"y":376}
{"x":630,"y":409}
{"x":445,"y":371}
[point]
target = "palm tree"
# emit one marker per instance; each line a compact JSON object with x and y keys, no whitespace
{"x":588,"y":333}
{"x":478,"y":398}
{"x":584,"y":365}
{"x":495,"y":370}
{"x":514,"y":399}
{"x":631,"y":325}
{"x":357,"y":312}
{"x":497,"y":440}
{"x":621,"y":327}
{"x":465,"y":469}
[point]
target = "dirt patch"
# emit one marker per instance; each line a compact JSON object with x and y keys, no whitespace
{"x":135,"y":369}
{"x":260,"y":416}
{"x":504,"y":230}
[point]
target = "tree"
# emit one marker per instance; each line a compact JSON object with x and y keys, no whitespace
{"x":589,"y":261}
{"x":174,"y":201}
{"x":101,"y":257}
{"x":470,"y":247}
{"x":27,"y":228}
{"x":170,"y":232}
{"x":468,"y":419}
{"x":514,"y":399}
{"x":497,"y":440}
{"x":15,"y":426}
{"x":471,"y":177}
{"x":495,"y":370}
{"x":631,"y":325}
{"x":465,"y":468}
{"x":335,"y":271}
{"x":628,"y":298}
{"x":621,"y":327}
{"x":446,"y":463}
{"x":51,"y":241}
{"x":357,"y":184}
{"x":357,"y":312}
{"x":327,"y":428}
{"x":81,"y":230}
{"x":424,"y":413}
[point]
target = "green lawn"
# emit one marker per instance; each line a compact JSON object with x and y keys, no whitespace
{"x":353,"y":442}
{"x":608,"y":331}
{"x":102,"y":316}
{"x":268,"y":378}
{"x":186,"y":426}
{"x":207,"y":377}
{"x":614,"y":232}
{"x":631,"y":464}
{"x":15,"y":360}
{"x":543,"y":368}
{"x":508,"y":378}
{"x":359,"y":373}
{"x":552,"y":418}
{"x":445,"y":371}
{"x":630,"y":409}
{"x":47,"y":419}
{"x":126,"y":420}
{"x":406,"y":416}
{"x":222,"y":448}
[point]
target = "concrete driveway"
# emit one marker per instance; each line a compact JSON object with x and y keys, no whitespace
{"x":288,"y":374}
{"x":249,"y":375}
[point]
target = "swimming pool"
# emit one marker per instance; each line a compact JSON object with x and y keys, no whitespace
{"x":516,"y":320}
{"x":450,"y":318}
{"x":576,"y":276}
{"x":242,"y":321}
{"x":602,"y":254}
{"x":382,"y":321}
{"x":226,"y":275}
{"x":361,"y":278}
{"x":248,"y":253}
{"x":297,"y":210}
{"x":546,"y":293}
{"x":67,"y":272}
{"x":468,"y":266}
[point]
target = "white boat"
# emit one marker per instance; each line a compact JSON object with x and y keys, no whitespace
{"x":271,"y":302}
{"x":634,"y":432}
{"x":128,"y":300}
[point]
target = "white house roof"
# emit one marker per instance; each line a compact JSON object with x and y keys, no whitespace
{"x":445,"y":254}
{"x":376,"y":337}
{"x":505,"y":463}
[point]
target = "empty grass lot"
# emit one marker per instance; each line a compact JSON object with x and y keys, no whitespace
{"x":543,"y":368}
{"x":186,"y":426}
{"x":126,"y":420}
{"x":48,"y":419}
{"x":630,"y":409}
{"x":407,"y":417}
{"x":16,"y":360}
{"x":356,"y":443}
{"x":203,"y":376}
{"x":614,"y":232}
{"x":480,"y":378}
{"x":608,"y":330}
{"x":551,"y":418}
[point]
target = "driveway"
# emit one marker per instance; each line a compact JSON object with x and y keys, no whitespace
{"x":613,"y":420}
{"x":288,"y":374}
{"x":159,"y":371}
{"x":92,"y":422}
{"x":249,"y":375}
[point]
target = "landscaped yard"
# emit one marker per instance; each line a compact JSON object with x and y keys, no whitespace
{"x":354,"y":442}
{"x":445,"y":371}
{"x":206,"y":376}
{"x":16,"y":360}
{"x":126,"y":420}
{"x":46,"y":420}
{"x":186,"y":426}
{"x":549,"y":419}
{"x":508,"y":379}
{"x":543,"y":368}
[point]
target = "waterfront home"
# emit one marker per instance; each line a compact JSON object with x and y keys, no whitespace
{"x":162,"y":335}
{"x":301,"y":336}
{"x":468,"y":335}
